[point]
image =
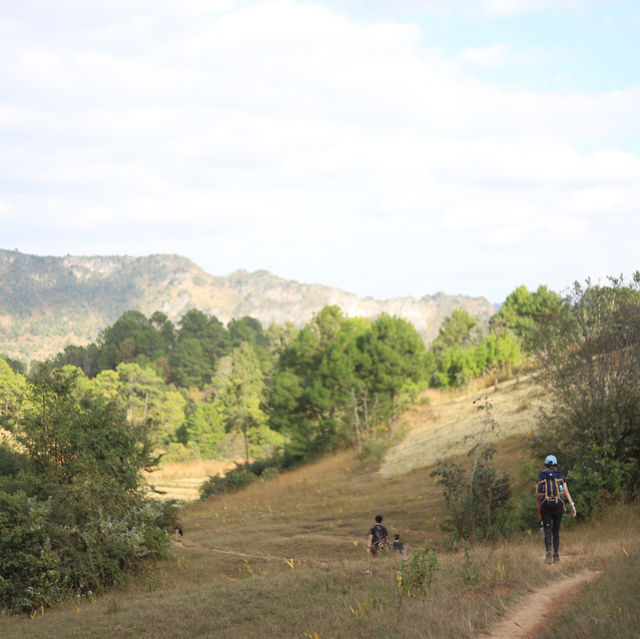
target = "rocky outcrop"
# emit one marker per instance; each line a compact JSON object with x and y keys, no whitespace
{"x":49,"y":302}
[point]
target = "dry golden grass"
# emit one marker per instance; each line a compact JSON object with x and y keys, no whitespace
{"x":437,"y":427}
{"x":181,"y":480}
{"x":287,"y":558}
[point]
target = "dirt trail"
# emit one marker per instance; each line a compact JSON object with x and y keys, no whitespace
{"x":237,"y":553}
{"x":536,"y":611}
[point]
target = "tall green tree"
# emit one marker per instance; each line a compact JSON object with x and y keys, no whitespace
{"x":312,"y":383}
{"x":455,"y":330}
{"x":340,"y":377}
{"x":131,"y":336}
{"x":527,"y":314}
{"x":240,"y":396}
{"x":205,"y":428}
{"x":392,"y":360}
{"x":150,"y":402}
{"x":591,"y":363}
{"x":201,"y":340}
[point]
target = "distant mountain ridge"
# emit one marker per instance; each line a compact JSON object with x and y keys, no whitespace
{"x":48,"y":302}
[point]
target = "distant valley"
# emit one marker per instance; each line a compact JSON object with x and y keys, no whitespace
{"x":47,"y":303}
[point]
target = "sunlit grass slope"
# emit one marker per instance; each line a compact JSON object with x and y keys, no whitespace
{"x":182,"y":480}
{"x":287,"y":558}
{"x":438,"y":428}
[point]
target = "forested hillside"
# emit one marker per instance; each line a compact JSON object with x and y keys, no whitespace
{"x":47,"y":303}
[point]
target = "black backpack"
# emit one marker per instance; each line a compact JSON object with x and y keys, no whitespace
{"x":550,"y":487}
{"x":379,"y":533}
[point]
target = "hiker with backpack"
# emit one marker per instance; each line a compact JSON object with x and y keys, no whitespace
{"x":377,"y":537}
{"x":552,"y":494}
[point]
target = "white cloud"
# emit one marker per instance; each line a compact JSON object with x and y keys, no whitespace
{"x":494,"y":55}
{"x":284,"y":131}
{"x":487,"y":8}
{"x":5,"y":209}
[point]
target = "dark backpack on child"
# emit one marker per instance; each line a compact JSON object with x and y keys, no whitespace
{"x":550,"y":487}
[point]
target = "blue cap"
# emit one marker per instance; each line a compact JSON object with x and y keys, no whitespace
{"x":550,"y":460}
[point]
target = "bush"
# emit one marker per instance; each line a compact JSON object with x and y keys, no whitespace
{"x":416,"y":574}
{"x":31,"y":573}
{"x":73,"y":543}
{"x":72,"y":519}
{"x":243,"y":475}
{"x":270,"y":473}
{"x":480,"y":505}
{"x":598,"y":482}
{"x":234,"y":480}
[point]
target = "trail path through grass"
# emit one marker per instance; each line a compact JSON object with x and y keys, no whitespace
{"x":538,"y":610}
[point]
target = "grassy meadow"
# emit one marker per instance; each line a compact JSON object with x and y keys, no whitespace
{"x":181,"y":480}
{"x":287,"y":557}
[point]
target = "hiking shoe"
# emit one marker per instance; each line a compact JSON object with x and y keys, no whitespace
{"x":548,"y":558}
{"x":556,"y":558}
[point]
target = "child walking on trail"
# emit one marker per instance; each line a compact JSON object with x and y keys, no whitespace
{"x":552,"y":494}
{"x":398,"y":546}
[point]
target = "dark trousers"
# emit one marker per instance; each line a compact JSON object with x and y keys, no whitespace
{"x":551,"y":518}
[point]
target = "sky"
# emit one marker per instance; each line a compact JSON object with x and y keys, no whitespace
{"x":387,"y":148}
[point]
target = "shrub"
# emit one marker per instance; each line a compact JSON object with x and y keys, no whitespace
{"x":270,"y":473}
{"x":416,"y":574}
{"x":72,"y":519}
{"x":479,"y":506}
{"x":244,"y":475}
{"x":234,"y":480}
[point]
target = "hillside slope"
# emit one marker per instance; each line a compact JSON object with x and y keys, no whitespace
{"x":438,"y":429}
{"x":287,"y":558}
{"x":49,"y":302}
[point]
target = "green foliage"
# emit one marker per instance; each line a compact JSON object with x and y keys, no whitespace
{"x":200,"y":342}
{"x":240,"y":396}
{"x":341,"y":378}
{"x":149,"y":401}
{"x":205,"y":428}
{"x":185,"y":356}
{"x":469,"y":572}
{"x":233,"y":480}
{"x":456,"y":330}
{"x":457,"y":366}
{"x":242,"y":476}
{"x":131,"y":336}
{"x":311,"y":383}
{"x":463,"y":350}
{"x":527,"y":315}
{"x":72,"y":519}
{"x":391,"y":362}
{"x":247,"y":330}
{"x":15,"y":365}
{"x":178,"y":452}
{"x":479,"y":506}
{"x":416,"y":574}
{"x":591,"y":363}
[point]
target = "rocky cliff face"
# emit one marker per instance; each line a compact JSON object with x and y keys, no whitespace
{"x":49,"y":302}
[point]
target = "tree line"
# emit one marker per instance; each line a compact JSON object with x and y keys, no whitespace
{"x":335,"y":381}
